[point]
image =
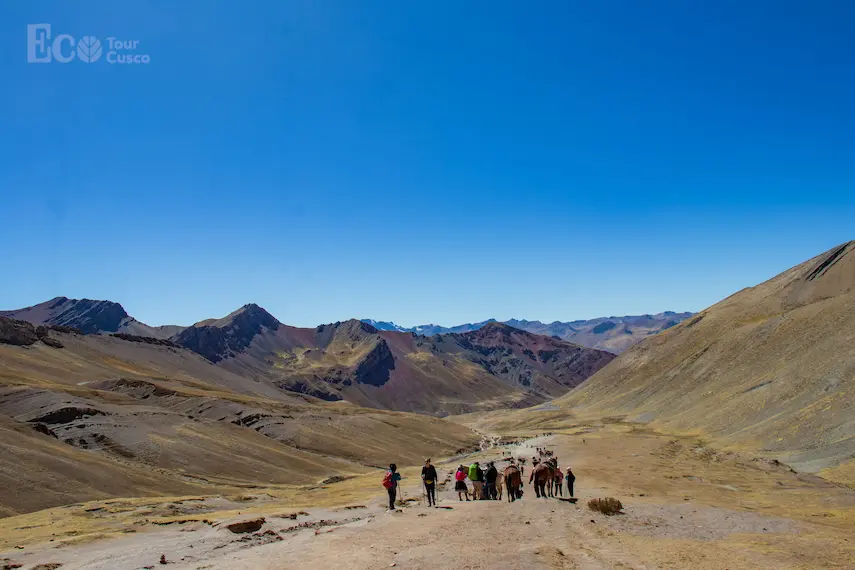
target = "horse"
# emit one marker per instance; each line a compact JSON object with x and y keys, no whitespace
{"x":513,"y":483}
{"x":542,"y":476}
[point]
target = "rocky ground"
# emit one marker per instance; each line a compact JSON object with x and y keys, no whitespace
{"x":686,"y":506}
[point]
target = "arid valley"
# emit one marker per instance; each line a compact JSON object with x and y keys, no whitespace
{"x":245,"y":443}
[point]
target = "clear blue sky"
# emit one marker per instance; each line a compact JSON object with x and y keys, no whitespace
{"x":424,"y":161}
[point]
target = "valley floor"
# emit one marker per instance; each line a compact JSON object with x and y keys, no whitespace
{"x":686,"y":506}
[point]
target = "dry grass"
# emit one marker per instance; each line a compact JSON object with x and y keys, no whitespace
{"x":608,"y":506}
{"x":770,"y":370}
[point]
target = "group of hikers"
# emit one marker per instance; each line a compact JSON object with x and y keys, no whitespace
{"x":488,"y":484}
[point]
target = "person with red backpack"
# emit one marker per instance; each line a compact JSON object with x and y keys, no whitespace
{"x":390,"y":483}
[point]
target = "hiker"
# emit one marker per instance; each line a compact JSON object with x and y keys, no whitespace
{"x":499,"y":485}
{"x":429,"y":479}
{"x":390,"y":482}
{"x":571,"y":479}
{"x":490,"y":478}
{"x":559,"y":481}
{"x":476,"y":475}
{"x":460,"y":484}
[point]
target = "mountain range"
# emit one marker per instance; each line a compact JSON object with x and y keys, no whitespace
{"x":94,"y":403}
{"x":614,"y":334}
{"x":488,"y":367}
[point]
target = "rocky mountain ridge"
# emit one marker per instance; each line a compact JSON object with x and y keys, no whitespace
{"x":352,"y":360}
{"x":614,"y":334}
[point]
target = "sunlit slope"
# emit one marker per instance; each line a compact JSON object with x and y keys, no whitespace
{"x":771,"y":368}
{"x":104,"y":417}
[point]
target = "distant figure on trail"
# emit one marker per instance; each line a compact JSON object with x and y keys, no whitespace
{"x":490,"y":477}
{"x":390,"y":483}
{"x":476,"y":475}
{"x":460,"y":483}
{"x":571,"y":480}
{"x":429,"y":479}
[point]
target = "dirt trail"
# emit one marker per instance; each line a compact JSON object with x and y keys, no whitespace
{"x":685,"y":507}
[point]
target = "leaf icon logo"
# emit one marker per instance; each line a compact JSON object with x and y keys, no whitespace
{"x":89,"y":49}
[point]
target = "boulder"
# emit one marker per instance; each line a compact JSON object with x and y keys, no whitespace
{"x":18,"y":333}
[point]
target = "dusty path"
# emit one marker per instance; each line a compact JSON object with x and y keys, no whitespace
{"x":686,"y":507}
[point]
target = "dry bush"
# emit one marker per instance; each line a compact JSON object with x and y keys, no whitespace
{"x":607,"y":506}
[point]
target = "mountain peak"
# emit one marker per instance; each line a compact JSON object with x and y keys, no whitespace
{"x":216,"y":339}
{"x":89,"y":315}
{"x":249,"y":315}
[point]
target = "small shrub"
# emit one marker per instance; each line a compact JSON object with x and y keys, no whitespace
{"x":607,"y":506}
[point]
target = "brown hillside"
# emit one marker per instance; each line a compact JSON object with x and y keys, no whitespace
{"x":495,"y":367}
{"x":103,"y":416}
{"x":770,"y":368}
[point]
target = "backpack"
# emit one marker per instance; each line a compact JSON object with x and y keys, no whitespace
{"x":473,"y":473}
{"x":387,"y":480}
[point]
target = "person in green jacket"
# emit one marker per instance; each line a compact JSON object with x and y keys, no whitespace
{"x":476,"y":475}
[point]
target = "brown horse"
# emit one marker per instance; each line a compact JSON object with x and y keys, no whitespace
{"x":513,"y":483}
{"x":552,"y":464}
{"x":542,"y":476}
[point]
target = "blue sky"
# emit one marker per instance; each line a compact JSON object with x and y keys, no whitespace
{"x":424,"y":161}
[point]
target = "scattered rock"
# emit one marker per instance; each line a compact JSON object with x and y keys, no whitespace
{"x":146,"y":340}
{"x":22,"y":333}
{"x":66,"y":330}
{"x":52,"y":342}
{"x":17,"y":333}
{"x":336,"y":479}
{"x":48,"y":566}
{"x":42,"y":428}
{"x":250,"y":525}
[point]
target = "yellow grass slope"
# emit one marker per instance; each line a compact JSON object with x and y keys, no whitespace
{"x":771,"y":368}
